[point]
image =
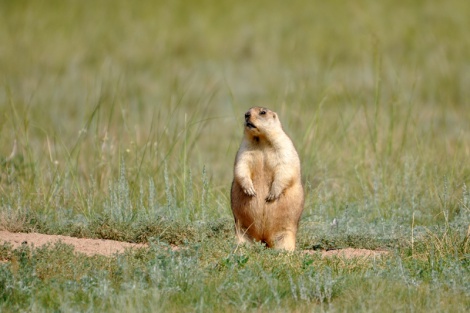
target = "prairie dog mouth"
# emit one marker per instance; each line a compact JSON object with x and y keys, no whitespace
{"x":250,"y":125}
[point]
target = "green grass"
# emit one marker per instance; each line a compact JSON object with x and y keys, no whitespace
{"x":212,"y":277}
{"x":127,"y":118}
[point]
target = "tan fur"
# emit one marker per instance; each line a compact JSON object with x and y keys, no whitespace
{"x":267,"y":196}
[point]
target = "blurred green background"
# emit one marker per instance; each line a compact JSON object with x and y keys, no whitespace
{"x":374,"y":95}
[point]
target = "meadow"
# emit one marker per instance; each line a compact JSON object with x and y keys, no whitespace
{"x":127,"y":117}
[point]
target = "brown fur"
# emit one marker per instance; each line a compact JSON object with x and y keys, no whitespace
{"x":267,"y":196}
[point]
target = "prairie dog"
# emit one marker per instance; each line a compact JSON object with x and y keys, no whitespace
{"x":267,"y":196}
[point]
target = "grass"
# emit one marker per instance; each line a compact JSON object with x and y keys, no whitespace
{"x":127,"y":118}
{"x":210,"y":276}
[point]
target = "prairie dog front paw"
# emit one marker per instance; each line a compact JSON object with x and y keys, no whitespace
{"x":271,"y":197}
{"x":250,"y":191}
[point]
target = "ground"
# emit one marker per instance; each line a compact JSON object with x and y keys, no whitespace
{"x":110,"y":247}
{"x":82,"y":245}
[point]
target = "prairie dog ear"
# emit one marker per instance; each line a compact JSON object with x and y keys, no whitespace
{"x":274,"y":115}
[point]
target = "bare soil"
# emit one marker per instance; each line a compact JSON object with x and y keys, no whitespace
{"x":82,"y":245}
{"x":350,"y":253}
{"x":111,"y":247}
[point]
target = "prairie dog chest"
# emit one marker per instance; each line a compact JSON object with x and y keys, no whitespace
{"x":264,"y":163}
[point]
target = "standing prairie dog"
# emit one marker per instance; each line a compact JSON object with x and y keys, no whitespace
{"x":267,"y":196}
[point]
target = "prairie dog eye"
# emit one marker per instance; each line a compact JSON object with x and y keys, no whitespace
{"x":263,"y":112}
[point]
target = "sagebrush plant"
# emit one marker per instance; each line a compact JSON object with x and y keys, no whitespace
{"x":122,"y":122}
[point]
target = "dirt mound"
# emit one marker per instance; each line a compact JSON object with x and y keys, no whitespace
{"x":110,"y":247}
{"x":83,"y":245}
{"x":349,"y":253}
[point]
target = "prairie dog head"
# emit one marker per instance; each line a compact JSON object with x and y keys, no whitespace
{"x":261,"y":122}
